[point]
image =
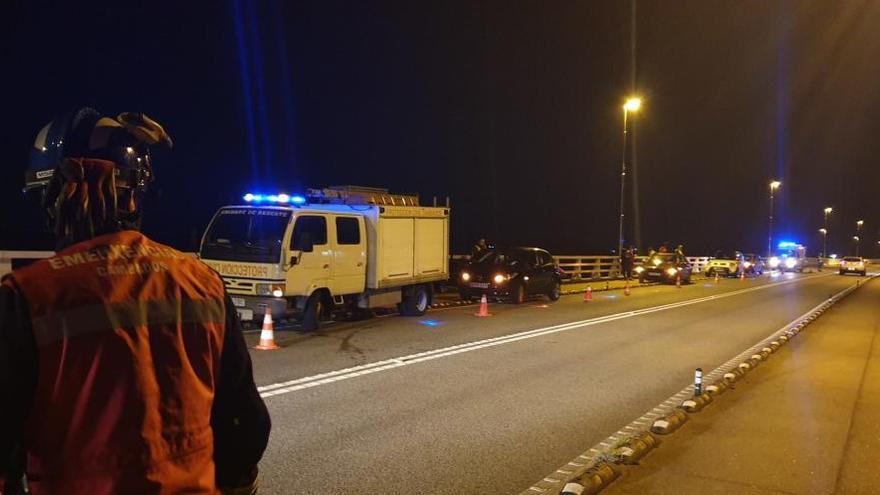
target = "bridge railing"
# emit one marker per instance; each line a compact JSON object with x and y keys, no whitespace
{"x":576,"y":267}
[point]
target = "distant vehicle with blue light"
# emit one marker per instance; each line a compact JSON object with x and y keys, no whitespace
{"x":332,"y":251}
{"x":789,"y":257}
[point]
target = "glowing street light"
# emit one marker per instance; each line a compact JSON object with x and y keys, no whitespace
{"x":827,"y":211}
{"x":774,"y":185}
{"x":632,"y":104}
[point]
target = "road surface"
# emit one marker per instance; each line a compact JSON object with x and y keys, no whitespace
{"x":459,"y":404}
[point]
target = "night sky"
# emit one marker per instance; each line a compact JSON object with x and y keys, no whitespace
{"x":512,"y":109}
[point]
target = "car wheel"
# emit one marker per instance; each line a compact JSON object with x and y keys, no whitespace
{"x":416,"y":301}
{"x":518,"y":296}
{"x":554,"y":292}
{"x":311,"y":320}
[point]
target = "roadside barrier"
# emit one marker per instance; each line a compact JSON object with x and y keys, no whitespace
{"x":267,"y":335}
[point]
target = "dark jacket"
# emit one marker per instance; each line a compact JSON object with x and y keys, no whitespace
{"x":123,"y":369}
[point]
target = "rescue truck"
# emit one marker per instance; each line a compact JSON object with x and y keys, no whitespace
{"x":335,"y":250}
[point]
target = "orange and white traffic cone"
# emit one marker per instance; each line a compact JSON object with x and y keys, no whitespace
{"x":267,"y":335}
{"x":588,"y":295}
{"x":626,"y":289}
{"x":678,"y":281}
{"x":484,"y":307}
{"x":742,"y":275}
{"x":717,"y":278}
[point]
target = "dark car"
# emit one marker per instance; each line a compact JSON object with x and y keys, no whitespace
{"x":665,"y":267}
{"x":511,"y":273}
{"x":753,"y":264}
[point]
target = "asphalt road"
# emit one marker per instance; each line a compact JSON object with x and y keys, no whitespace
{"x":461,"y":405}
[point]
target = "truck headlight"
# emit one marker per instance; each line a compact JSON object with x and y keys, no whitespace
{"x":747,"y":264}
{"x":639,"y":269}
{"x":499,"y":279}
{"x":671,"y":271}
{"x":274,"y":290}
{"x":790,"y":262}
{"x":465,"y":276}
{"x":774,"y":262}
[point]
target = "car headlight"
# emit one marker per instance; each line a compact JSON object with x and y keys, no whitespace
{"x":275,"y":290}
{"x":657,"y":261}
{"x":790,"y":262}
{"x":639,"y":269}
{"x":774,"y":262}
{"x":499,"y":279}
{"x":747,"y":264}
{"x":465,"y":276}
{"x":671,"y":271}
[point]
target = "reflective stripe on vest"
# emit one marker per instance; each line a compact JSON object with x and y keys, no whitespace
{"x":67,"y":324}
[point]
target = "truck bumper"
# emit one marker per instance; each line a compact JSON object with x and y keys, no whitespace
{"x":253,"y":308}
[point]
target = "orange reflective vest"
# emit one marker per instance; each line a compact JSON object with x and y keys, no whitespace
{"x":129,"y":334}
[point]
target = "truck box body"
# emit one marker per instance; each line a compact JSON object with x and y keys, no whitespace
{"x":406,"y":245}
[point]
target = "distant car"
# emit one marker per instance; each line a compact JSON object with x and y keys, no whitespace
{"x":725,"y":264}
{"x":511,"y":273}
{"x":753,"y":264}
{"x":664,"y":267}
{"x":853,"y":264}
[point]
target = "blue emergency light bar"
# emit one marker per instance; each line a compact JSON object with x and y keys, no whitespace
{"x":787,"y":245}
{"x":274,"y":198}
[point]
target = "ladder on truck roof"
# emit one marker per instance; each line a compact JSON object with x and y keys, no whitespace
{"x":358,"y":195}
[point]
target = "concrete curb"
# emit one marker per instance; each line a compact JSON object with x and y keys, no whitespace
{"x":670,"y":415}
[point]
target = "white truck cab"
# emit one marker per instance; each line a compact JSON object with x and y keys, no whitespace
{"x":337,"y":249}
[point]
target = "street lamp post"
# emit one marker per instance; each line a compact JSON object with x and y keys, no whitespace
{"x":827,"y":211}
{"x":631,"y":105}
{"x":857,"y":238}
{"x":824,"y":233}
{"x":774,"y":185}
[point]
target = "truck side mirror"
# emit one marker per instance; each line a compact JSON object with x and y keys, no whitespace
{"x":294,"y":260}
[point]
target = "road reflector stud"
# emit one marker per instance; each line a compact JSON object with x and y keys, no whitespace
{"x":484,"y":307}
{"x":775,"y":345}
{"x":718,"y":387}
{"x":697,"y":403}
{"x":755,"y":360}
{"x":733,"y":375}
{"x":745,"y":367}
{"x":572,"y":489}
{"x":267,"y":334}
{"x":637,"y":447}
{"x":766,"y":351}
{"x":669,"y":423}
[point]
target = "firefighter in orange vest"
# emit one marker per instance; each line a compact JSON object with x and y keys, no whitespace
{"x":123,"y":367}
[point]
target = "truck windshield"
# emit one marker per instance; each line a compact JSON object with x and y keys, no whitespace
{"x":246,"y":234}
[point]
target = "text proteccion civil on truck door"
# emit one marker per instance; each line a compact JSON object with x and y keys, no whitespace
{"x":336,"y":249}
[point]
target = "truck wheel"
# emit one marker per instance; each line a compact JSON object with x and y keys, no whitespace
{"x":554,"y":292}
{"x":416,"y":301}
{"x":466,"y":296}
{"x":311,"y":320}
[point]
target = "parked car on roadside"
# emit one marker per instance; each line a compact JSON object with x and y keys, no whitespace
{"x":665,"y":268}
{"x":725,"y":264}
{"x":513,"y":274}
{"x":853,"y":264}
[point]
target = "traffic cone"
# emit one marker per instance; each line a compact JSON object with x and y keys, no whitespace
{"x":484,"y":307}
{"x":717,"y":278}
{"x":588,"y":295}
{"x":742,"y":275}
{"x":267,"y":335}
{"x":626,"y":289}
{"x":678,"y":281}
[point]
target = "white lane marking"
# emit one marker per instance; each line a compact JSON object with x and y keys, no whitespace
{"x":375,"y":367}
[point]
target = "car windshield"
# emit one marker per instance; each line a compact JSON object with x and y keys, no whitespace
{"x":500,"y":257}
{"x":246,"y":234}
{"x":724,"y":255}
{"x":660,"y":258}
